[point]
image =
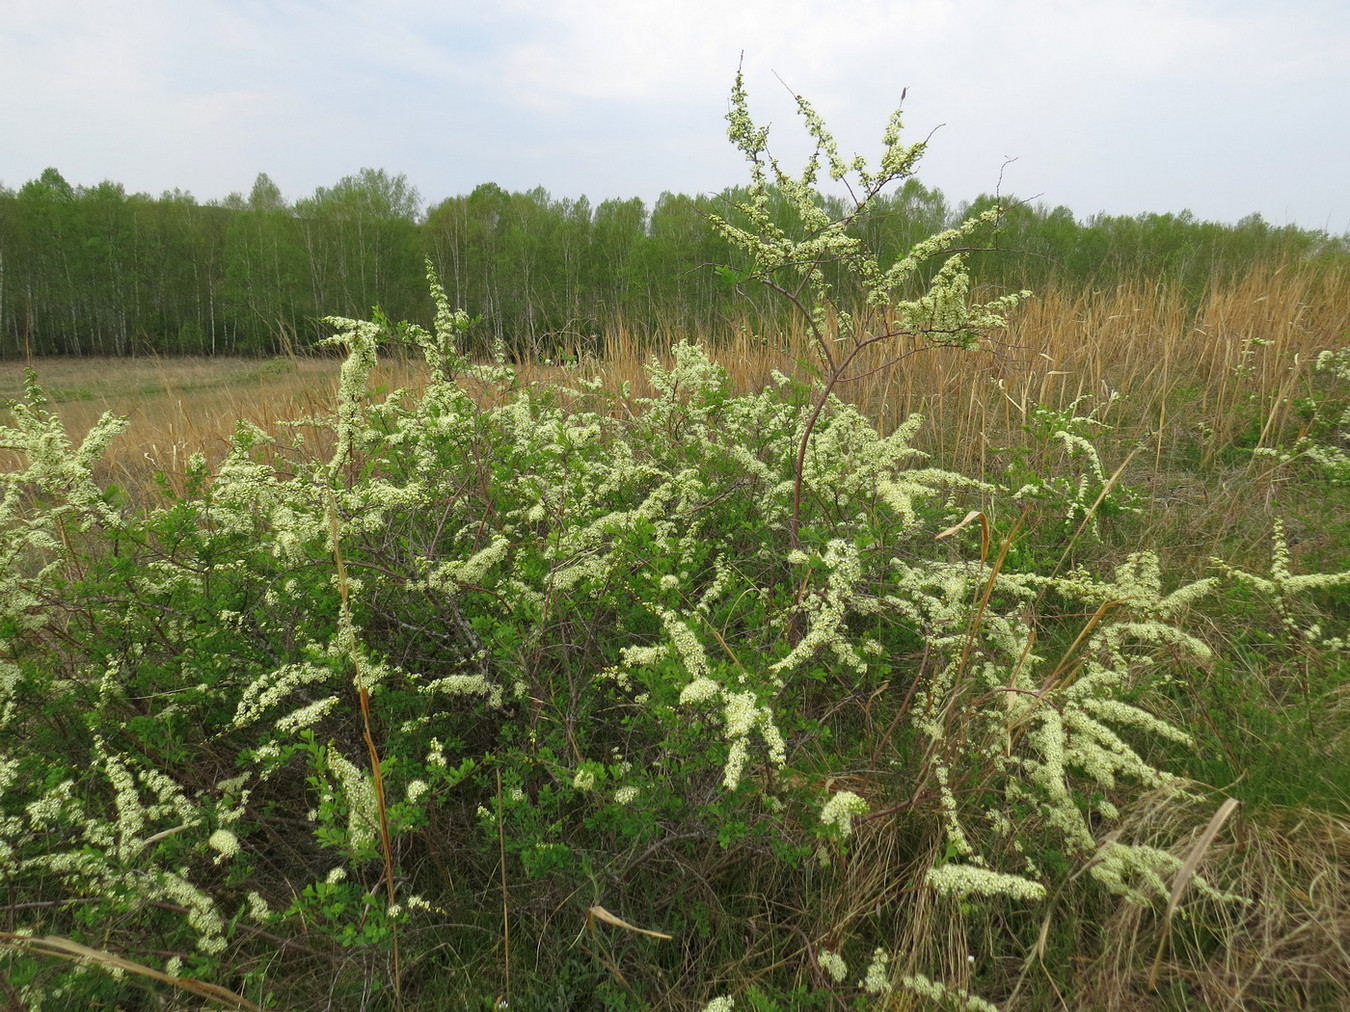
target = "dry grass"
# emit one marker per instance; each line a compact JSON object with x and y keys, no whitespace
{"x":177,"y":407}
{"x":1171,"y":367}
{"x":1285,"y":946}
{"x":1162,"y":374}
{"x":63,"y":948}
{"x":1176,"y":387}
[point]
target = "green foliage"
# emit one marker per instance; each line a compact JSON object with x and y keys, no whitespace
{"x":608,"y":615}
{"x":95,"y":270}
{"x":1058,"y":475}
{"x":585,"y":701}
{"x":1323,"y":444}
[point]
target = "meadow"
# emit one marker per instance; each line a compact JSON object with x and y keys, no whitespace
{"x":1185,"y":392}
{"x":949,"y":649}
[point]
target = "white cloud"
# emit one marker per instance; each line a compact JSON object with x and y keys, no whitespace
{"x":1128,"y":105}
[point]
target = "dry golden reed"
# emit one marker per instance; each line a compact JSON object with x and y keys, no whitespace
{"x":1159,"y":371}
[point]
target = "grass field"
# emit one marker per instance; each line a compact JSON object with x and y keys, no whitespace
{"x":1180,"y":431}
{"x":1184,"y":393}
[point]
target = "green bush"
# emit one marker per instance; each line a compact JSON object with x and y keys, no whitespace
{"x":584,"y":638}
{"x":444,"y":715}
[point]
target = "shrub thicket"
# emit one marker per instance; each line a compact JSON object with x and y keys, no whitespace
{"x":577,"y":700}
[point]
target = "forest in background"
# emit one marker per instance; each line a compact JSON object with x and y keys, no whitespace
{"x":98,"y":271}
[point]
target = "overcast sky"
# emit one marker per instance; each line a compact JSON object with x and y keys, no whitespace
{"x":1224,"y":107}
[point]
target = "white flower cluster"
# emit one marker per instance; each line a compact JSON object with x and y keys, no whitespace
{"x":877,"y":980}
{"x":268,"y":690}
{"x":686,"y":644}
{"x":9,"y":684}
{"x":970,"y":880}
{"x":827,"y":612}
{"x":202,"y":914}
{"x":741,"y":714}
{"x":1046,"y":735}
{"x":633,"y":657}
{"x":1282,"y":588}
{"x":584,"y":780}
{"x":840,"y":809}
{"x":306,"y":716}
{"x":943,"y":313}
{"x":450,"y":576}
{"x":442,"y":349}
{"x":225,"y":842}
{"x":944,"y":996}
{"x":467,"y":685}
{"x":833,"y":964}
{"x":1333,"y":458}
{"x":700,"y":690}
{"x":361,"y":338}
{"x":358,"y":790}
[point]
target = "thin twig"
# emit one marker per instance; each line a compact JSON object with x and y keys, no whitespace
{"x":506,"y":906}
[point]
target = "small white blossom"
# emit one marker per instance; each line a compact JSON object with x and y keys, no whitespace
{"x":306,"y":716}
{"x":358,"y":788}
{"x":258,"y":908}
{"x":224,"y":841}
{"x":700,"y":690}
{"x":941,"y":994}
{"x":584,"y":780}
{"x":840,"y":809}
{"x":967,"y":880}
{"x":833,"y":964}
{"x":878,"y":980}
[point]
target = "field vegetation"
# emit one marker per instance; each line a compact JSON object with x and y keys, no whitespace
{"x":754,"y":664}
{"x":94,"y":270}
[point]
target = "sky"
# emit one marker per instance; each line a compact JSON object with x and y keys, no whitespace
{"x":1221,"y":107}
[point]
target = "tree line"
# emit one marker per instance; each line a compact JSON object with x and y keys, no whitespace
{"x":98,"y":271}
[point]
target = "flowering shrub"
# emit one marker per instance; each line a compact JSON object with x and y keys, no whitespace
{"x":317,"y":708}
{"x":608,"y":614}
{"x":1325,"y":440}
